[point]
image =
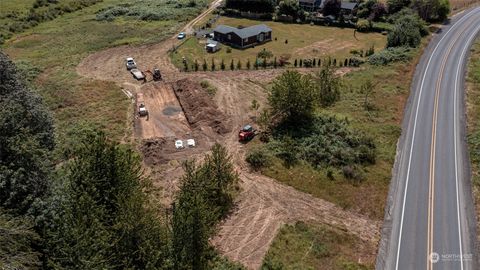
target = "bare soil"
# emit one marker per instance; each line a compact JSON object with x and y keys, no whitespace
{"x":180,"y":109}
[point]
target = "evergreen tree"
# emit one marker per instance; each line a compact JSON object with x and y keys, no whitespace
{"x":213,"y":65}
{"x":239,"y":65}
{"x":248,"y":64}
{"x":204,"y":65}
{"x":103,"y":194}
{"x":26,"y":138}
{"x":222,"y":65}
{"x":232,"y":65}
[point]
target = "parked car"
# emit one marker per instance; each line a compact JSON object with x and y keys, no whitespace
{"x":182,"y":35}
{"x":130,"y":63}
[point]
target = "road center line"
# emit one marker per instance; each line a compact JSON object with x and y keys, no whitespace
{"x":414,"y":130}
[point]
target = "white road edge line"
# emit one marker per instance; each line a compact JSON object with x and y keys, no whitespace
{"x":455,"y":127}
{"x":414,"y":131}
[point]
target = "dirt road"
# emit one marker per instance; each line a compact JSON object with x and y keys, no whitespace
{"x":264,"y":204}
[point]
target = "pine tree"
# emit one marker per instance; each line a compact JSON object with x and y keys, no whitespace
{"x":248,"y":64}
{"x":26,"y":139}
{"x":295,"y":63}
{"x":213,"y":65}
{"x":232,"y":65}
{"x":222,"y":65}
{"x":239,"y":65}
{"x":204,"y":66}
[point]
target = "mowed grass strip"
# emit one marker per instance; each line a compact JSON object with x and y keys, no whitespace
{"x":315,"y":246}
{"x":473,"y":125}
{"x":58,"y":46}
{"x":293,"y":40}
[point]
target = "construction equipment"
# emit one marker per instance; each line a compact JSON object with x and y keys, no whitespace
{"x":157,"y":76}
{"x":141,"y":109}
{"x":246,"y":133}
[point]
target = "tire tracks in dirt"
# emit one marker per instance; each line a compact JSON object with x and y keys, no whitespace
{"x":264,"y":204}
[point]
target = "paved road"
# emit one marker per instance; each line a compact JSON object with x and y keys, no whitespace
{"x":430,"y":204}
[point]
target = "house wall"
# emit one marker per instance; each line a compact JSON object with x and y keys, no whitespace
{"x":236,"y":41}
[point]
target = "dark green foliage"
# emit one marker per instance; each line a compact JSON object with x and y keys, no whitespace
{"x":206,"y":195}
{"x":258,"y":158}
{"x":295,"y":63}
{"x":102,"y":202}
{"x":195,"y":65}
{"x":239,"y":65}
{"x":292,"y":96}
{"x":26,"y":138}
{"x":222,"y":65}
{"x":256,"y":6}
{"x":390,"y":55}
{"x":328,"y":86}
{"x":190,"y":223}
{"x":395,"y":6}
{"x":332,"y":7}
{"x":213,"y":65}
{"x":432,"y":10}
{"x":17,"y":238}
{"x":405,"y":33}
{"x":373,"y":10}
{"x":232,"y":65}
{"x":324,"y":142}
{"x":204,"y":65}
{"x":248,"y":64}
{"x":408,"y":29}
{"x":289,"y":8}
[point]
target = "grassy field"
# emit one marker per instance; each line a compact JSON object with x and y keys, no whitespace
{"x":304,"y":41}
{"x":473,"y":125}
{"x":382,"y":122}
{"x":308,"y":246}
{"x":56,"y":47}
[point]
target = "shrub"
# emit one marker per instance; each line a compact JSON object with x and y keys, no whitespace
{"x":363,"y":25}
{"x":258,"y":158}
{"x":389,"y":55}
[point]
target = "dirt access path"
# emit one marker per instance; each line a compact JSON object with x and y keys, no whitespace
{"x":264,"y":205}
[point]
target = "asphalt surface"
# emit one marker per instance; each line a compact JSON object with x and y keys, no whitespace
{"x":429,"y":221}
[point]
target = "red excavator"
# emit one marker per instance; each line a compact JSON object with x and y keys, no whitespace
{"x":246,"y":133}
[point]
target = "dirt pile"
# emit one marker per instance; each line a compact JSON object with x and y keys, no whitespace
{"x":199,"y":108}
{"x":153,"y":151}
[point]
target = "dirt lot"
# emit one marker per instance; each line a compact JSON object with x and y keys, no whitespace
{"x":180,"y":109}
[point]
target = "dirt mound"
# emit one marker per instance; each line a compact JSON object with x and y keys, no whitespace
{"x":153,"y":151}
{"x":199,"y":108}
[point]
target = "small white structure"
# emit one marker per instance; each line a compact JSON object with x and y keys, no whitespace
{"x":179,"y":144}
{"x":191,"y":143}
{"x":212,"y":46}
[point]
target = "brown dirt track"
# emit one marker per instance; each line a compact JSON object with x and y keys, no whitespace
{"x":264,"y":204}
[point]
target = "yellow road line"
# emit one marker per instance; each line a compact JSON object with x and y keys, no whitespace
{"x":431,"y":189}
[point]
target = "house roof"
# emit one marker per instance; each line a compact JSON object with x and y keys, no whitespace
{"x":244,"y":32}
{"x":349,"y":5}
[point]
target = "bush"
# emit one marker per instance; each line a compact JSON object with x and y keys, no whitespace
{"x":389,"y":55}
{"x":363,"y":25}
{"x":258,"y":158}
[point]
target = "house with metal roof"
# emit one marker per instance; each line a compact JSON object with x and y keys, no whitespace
{"x":349,"y":7}
{"x":243,"y":37}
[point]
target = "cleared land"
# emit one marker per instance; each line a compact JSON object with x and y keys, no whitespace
{"x":304,"y":41}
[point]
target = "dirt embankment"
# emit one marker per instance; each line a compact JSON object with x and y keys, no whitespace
{"x":199,"y":108}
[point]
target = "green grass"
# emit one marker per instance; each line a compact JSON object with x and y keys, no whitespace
{"x":304,"y":41}
{"x":382,"y":123}
{"x":308,"y":246}
{"x":473,"y":127}
{"x":56,"y":47}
